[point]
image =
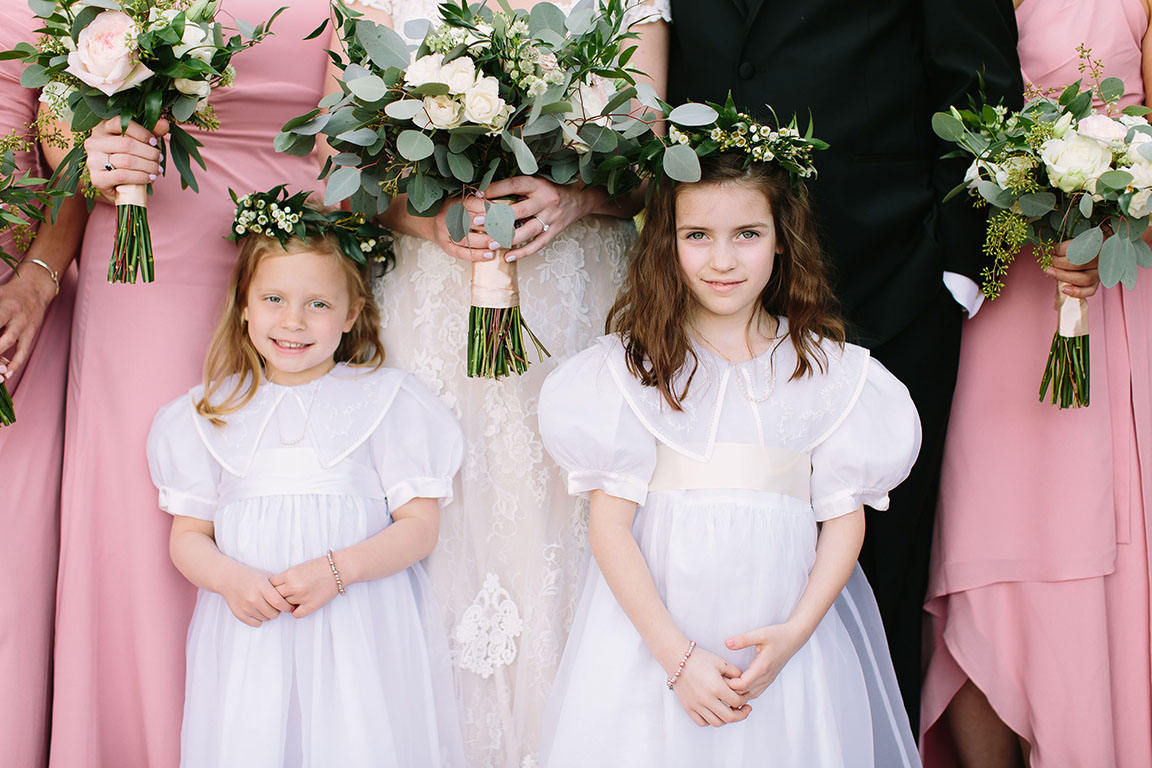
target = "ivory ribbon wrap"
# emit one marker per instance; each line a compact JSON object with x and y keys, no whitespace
{"x":494,"y":283}
{"x":1072,"y":314}
{"x":133,"y":194}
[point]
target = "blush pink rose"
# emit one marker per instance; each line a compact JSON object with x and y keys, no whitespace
{"x":106,"y":54}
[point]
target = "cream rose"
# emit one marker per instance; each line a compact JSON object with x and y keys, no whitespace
{"x":1138,"y":205}
{"x":424,"y":70}
{"x":198,"y":88}
{"x":459,"y":74}
{"x":1134,"y":155}
{"x":440,"y":112}
{"x":587,"y":104}
{"x":1102,"y":128}
{"x":106,"y":54}
{"x":193,"y":44}
{"x":482,"y":102}
{"x":1074,"y":160}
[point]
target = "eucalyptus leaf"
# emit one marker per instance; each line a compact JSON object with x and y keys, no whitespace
{"x":1143,"y":254}
{"x":947,"y":127}
{"x":646,"y":95}
{"x":550,"y":37}
{"x":1036,"y":204}
{"x":414,"y":145}
{"x":1129,"y":278}
{"x":331,"y":100}
{"x":342,"y":121}
{"x":681,"y":164}
{"x":1115,"y":179}
{"x":34,"y":76}
{"x":579,"y":22}
{"x":1112,"y":261}
{"x":405,"y":109}
{"x":313,"y":126}
{"x":184,"y":108}
{"x":458,"y":142}
{"x":994,"y":194}
{"x":384,"y":46}
{"x":524,"y":158}
{"x":417,"y":29}
{"x":361,"y":137}
{"x":42,"y":8}
{"x":461,"y":167}
{"x":244,"y":28}
{"x":1145,"y":150}
{"x":1111,"y":89}
{"x":545,"y":16}
{"x":1085,"y":246}
{"x":541,"y":125}
{"x":300,"y":120}
{"x":341,"y":184}
{"x":423,"y":193}
{"x":1086,"y":206}
{"x":457,"y":221}
{"x":368,"y":89}
{"x":693,"y":114}
{"x":490,"y":173}
{"x":500,"y":223}
{"x":1135,"y":110}
{"x":346,"y":158}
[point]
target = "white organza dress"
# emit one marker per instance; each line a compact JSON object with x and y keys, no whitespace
{"x":730,"y":492}
{"x":364,"y":682}
{"x":506,"y":571}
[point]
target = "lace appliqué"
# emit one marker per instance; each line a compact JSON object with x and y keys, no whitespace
{"x":488,"y":630}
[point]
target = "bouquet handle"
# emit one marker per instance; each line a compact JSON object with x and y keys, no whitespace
{"x":1068,"y":369}
{"x":496,"y":329}
{"x":132,"y":253}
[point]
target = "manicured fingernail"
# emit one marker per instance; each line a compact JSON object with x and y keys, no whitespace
{"x":480,"y":195}
{"x":151,"y":177}
{"x":478,"y":220}
{"x":493,"y":244}
{"x":3,"y":368}
{"x":509,"y":259}
{"x":489,"y":255}
{"x":152,"y":141}
{"x":730,"y":643}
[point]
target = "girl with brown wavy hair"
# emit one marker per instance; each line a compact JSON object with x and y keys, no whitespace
{"x":728,"y":439}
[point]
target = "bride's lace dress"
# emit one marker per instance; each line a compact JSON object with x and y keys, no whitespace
{"x":506,"y":570}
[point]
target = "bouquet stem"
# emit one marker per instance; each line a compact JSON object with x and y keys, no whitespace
{"x":7,"y":410}
{"x":496,"y":330}
{"x":133,"y":249}
{"x":1068,"y":369}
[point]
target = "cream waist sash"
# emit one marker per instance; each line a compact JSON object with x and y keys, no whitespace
{"x":734,"y":465}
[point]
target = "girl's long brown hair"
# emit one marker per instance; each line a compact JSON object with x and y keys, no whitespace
{"x":651,"y":313}
{"x":232,"y":352}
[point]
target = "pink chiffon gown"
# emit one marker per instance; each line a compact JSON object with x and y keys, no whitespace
{"x":122,"y":607}
{"x":31,"y":452}
{"x":1039,"y":588}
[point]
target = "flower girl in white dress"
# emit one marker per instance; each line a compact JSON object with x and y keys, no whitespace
{"x":304,"y":482}
{"x":728,"y":439}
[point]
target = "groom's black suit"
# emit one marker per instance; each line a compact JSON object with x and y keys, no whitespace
{"x":871,"y":73}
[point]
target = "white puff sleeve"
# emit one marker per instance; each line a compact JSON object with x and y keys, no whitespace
{"x":418,"y":447}
{"x":870,"y":452}
{"x":183,"y":470}
{"x":592,"y":433}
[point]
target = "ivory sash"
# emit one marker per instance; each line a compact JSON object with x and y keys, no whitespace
{"x":733,"y":465}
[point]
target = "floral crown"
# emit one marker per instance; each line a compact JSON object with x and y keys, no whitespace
{"x":696,"y":130}
{"x":275,"y":214}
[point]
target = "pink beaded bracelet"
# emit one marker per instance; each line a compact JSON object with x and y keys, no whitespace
{"x":336,"y":573}
{"x":676,"y":675}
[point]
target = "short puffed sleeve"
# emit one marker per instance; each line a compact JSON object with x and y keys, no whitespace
{"x":870,"y":451}
{"x":182,"y":468}
{"x":591,"y":432}
{"x":418,"y":446}
{"x":647,"y":11}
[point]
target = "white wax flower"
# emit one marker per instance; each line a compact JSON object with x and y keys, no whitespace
{"x":424,"y":70}
{"x":1073,"y":160}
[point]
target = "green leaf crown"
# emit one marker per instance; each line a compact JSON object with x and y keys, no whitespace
{"x":696,"y":130}
{"x":277,"y":215}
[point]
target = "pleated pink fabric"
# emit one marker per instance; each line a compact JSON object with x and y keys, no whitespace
{"x":1039,"y":589}
{"x":122,"y":608}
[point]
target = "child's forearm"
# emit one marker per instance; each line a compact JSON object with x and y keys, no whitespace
{"x":195,"y":554}
{"x":627,"y":575}
{"x":409,"y":539}
{"x":836,"y":551}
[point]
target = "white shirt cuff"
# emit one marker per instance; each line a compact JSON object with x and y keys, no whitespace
{"x":967,"y":294}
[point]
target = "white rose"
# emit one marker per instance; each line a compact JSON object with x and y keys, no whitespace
{"x":1141,"y":174}
{"x":198,"y":88}
{"x":482,"y":102}
{"x":1134,"y":156}
{"x":1131,"y":121}
{"x":1138,"y":206}
{"x":587,"y":104}
{"x":55,"y":95}
{"x":106,"y":55}
{"x":971,"y":176}
{"x":459,"y":74}
{"x":439,"y":112}
{"x":1073,"y":160}
{"x":193,"y":43}
{"x":424,"y":70}
{"x":1102,"y":128}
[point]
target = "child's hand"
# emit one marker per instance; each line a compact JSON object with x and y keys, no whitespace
{"x":309,"y":586}
{"x":775,"y":645}
{"x":706,"y":693}
{"x":252,"y":598}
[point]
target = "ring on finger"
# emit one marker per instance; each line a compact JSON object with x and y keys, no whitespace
{"x":108,"y":164}
{"x":542,"y":224}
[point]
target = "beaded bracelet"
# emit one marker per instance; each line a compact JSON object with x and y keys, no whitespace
{"x":676,"y":675}
{"x":336,"y":573}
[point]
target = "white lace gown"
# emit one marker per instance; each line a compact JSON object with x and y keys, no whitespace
{"x":730,"y":493}
{"x":364,"y":682}
{"x":506,"y":570}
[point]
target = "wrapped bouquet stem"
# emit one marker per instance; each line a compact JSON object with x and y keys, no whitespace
{"x":496,"y":329}
{"x":132,"y":254}
{"x":7,"y":410}
{"x":1067,"y":371}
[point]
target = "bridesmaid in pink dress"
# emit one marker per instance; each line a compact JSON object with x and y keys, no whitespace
{"x":122,"y":608}
{"x":31,"y":450}
{"x":1039,"y":593}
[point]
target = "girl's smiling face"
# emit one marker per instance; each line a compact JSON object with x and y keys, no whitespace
{"x":297,"y":309}
{"x":726,"y":246}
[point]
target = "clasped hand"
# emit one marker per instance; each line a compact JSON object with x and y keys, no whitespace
{"x":256,"y":596}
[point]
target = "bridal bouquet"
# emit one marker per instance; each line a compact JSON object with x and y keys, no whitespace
{"x":137,"y":60}
{"x":490,"y":94}
{"x":1061,"y":170}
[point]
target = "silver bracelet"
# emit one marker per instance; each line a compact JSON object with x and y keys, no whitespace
{"x":51,"y":272}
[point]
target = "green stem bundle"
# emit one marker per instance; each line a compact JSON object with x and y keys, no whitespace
{"x":496,"y":342}
{"x":133,"y":251}
{"x":1067,"y":371}
{"x":7,"y":410}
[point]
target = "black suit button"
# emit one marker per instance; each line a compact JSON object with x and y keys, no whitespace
{"x":746,"y":71}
